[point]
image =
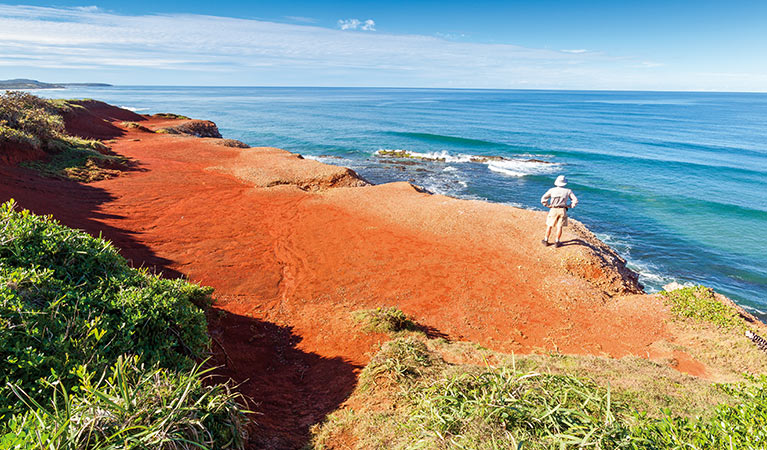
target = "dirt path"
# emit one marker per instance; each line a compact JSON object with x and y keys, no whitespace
{"x":290,"y":266}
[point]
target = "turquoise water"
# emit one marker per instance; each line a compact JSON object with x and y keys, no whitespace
{"x":674,"y":181}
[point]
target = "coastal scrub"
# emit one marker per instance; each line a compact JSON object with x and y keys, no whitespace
{"x":28,"y":122}
{"x":539,"y":402}
{"x":699,"y":303}
{"x":385,"y":320}
{"x":72,"y":312}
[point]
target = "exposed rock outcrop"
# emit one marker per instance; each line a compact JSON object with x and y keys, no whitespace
{"x":268,"y":167}
{"x":198,"y":128}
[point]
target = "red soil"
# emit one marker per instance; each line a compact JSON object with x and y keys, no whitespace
{"x":290,"y":265}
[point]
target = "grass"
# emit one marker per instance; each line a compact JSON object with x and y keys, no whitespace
{"x":79,"y":162}
{"x":136,"y":126}
{"x":698,"y":303}
{"x":72,"y":311}
{"x":32,"y":122}
{"x":385,"y":320}
{"x":409,"y":397}
{"x":398,"y":361}
{"x":130,"y":406}
{"x":172,"y":116}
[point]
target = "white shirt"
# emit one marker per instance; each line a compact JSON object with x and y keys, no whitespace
{"x":557,"y":197}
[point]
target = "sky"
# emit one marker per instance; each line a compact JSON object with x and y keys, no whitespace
{"x":544,"y":44}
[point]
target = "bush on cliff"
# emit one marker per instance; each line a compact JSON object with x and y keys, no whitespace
{"x":30,"y":122}
{"x":70,"y":307}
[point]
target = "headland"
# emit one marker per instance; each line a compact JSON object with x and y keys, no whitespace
{"x":295,"y":248}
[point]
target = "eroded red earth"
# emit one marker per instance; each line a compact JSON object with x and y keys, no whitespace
{"x":290,"y":265}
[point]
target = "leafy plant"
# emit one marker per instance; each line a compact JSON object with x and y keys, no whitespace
{"x":68,"y":300}
{"x":30,"y":121}
{"x":131,"y":407}
{"x":699,"y":303}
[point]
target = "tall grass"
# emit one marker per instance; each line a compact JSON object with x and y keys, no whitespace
{"x":70,"y":309}
{"x":131,"y":407}
{"x":426,"y":403}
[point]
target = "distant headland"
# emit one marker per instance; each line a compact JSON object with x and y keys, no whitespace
{"x":23,"y":83}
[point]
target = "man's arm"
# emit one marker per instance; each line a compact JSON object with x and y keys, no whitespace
{"x":546,"y":197}
{"x":574,"y":199}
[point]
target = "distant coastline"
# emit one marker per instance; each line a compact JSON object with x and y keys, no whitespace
{"x":23,"y":83}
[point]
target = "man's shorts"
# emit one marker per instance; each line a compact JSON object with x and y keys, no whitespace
{"x":556,"y":214}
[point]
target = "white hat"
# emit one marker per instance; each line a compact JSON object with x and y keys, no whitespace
{"x":560,"y":181}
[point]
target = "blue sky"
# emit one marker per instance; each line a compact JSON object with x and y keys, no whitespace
{"x":650,"y":45}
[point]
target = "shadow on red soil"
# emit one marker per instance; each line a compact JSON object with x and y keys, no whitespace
{"x":292,"y":389}
{"x":78,"y":206}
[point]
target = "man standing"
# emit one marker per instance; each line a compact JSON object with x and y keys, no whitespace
{"x":556,"y":199}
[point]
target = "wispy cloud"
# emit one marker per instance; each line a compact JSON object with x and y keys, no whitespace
{"x":576,"y":51}
{"x":194,"y":49}
{"x":356,"y":24}
{"x":301,"y":19}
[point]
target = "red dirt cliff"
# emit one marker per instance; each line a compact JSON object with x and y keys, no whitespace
{"x":293,"y":247}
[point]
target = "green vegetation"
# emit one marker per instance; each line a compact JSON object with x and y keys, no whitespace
{"x":698,"y":303}
{"x":172,"y":116}
{"x":136,"y":126}
{"x":385,"y":320}
{"x":132,"y":407}
{"x":540,"y":402}
{"x":398,"y":361}
{"x":31,"y":122}
{"x":70,"y":310}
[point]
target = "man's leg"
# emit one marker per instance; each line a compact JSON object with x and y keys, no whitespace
{"x":559,"y":230}
{"x":546,"y":238}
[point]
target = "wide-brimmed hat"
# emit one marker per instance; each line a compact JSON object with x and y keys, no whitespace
{"x":560,"y":181}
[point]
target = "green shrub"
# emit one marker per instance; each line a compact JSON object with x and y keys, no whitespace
{"x":68,"y":299}
{"x":699,"y":304}
{"x":35,"y":120}
{"x":172,"y":116}
{"x":743,"y":425}
{"x":131,"y":407}
{"x":399,"y":360}
{"x":385,"y":320}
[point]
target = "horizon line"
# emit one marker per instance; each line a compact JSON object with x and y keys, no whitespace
{"x":395,"y":87}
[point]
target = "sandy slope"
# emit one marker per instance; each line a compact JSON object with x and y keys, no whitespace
{"x":293,"y":246}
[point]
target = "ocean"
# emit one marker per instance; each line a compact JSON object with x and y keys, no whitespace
{"x":673,"y":181}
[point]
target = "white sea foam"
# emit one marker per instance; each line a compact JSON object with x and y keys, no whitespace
{"x":131,"y":108}
{"x":510,"y":167}
{"x":521,"y":167}
{"x":754,"y":310}
{"x":442,"y":156}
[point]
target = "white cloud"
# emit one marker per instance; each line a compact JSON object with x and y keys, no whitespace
{"x":576,"y":51}
{"x":92,"y":8}
{"x":301,"y":19}
{"x":354,"y":24}
{"x":194,"y":49}
{"x":648,"y":65}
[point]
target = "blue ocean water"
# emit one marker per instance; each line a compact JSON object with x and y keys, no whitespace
{"x":674,"y":181}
